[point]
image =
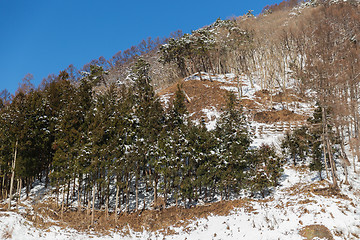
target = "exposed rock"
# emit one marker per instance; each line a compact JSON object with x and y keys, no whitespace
{"x":316,"y":231}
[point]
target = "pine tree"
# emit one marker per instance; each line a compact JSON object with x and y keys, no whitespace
{"x":148,"y":112}
{"x":316,"y":144}
{"x":234,"y":142}
{"x":201,"y":161}
{"x":172,"y":145}
{"x":296,"y":144}
{"x":265,"y":169}
{"x":6,"y":150}
{"x":67,"y":134}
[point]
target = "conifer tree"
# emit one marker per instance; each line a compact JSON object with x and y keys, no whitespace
{"x":148,"y":112}
{"x":67,"y":134}
{"x":172,"y":145}
{"x":265,"y":169}
{"x":6,"y":150}
{"x":234,"y":142}
{"x":206,"y":153}
{"x":296,"y":144}
{"x":316,"y":143}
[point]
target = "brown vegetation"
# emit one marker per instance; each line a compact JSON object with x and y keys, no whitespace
{"x":8,"y":232}
{"x":278,"y":116}
{"x":205,"y":94}
{"x":316,"y":231}
{"x":151,"y":220}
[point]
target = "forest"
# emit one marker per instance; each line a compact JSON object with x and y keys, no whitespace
{"x":101,"y":133}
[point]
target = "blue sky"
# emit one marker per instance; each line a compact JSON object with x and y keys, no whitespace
{"x":46,"y":36}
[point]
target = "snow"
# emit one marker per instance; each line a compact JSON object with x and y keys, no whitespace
{"x":165,"y":99}
{"x":230,"y":89}
{"x":225,"y":78}
{"x":281,"y":215}
{"x":212,"y":114}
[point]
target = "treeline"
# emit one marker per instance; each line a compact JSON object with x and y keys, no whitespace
{"x":284,"y":5}
{"x":87,"y":143}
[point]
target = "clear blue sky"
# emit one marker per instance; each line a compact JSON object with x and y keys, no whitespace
{"x":45,"y":36}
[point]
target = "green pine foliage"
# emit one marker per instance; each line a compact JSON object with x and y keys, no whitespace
{"x":265,"y":169}
{"x":81,"y":137}
{"x":234,"y":142}
{"x":316,"y":145}
{"x":296,"y":144}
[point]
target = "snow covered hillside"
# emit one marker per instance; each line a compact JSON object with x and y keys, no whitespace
{"x":301,"y":207}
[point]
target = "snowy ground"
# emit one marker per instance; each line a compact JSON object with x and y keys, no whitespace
{"x":279,"y":216}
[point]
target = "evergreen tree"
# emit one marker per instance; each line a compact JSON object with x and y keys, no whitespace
{"x":296,"y":144}
{"x":67,"y":133}
{"x":202,"y":160}
{"x":148,"y":112}
{"x":315,"y":135}
{"x":266,"y":169}
{"x":6,"y":148}
{"x":234,"y":142}
{"x":172,"y":146}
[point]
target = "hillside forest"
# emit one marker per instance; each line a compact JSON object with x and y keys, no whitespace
{"x":100,"y":136}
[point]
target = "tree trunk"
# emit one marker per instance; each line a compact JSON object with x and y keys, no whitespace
{"x":127,"y":195}
{"x":206,"y":197}
{"x":47,"y":177}
{"x":239,"y":87}
{"x":332,"y":165}
{"x":116,"y":203}
{"x":62,"y":203}
{"x":57,"y":194}
{"x":107,"y":207}
{"x":68,"y":193}
{"x":27,"y":187}
{"x":324,"y":151}
{"x":155,"y":189}
{"x":3,"y":187}
{"x":107,"y":201}
{"x":88,"y":208}
{"x":78,"y":195}
{"x":12,"y":175}
{"x":20,"y":186}
{"x":136,"y":193}
{"x":345,"y":161}
{"x":331,"y":160}
{"x":165,"y":192}
{"x":196,"y":68}
{"x":73,"y":194}
{"x":93,"y":205}
{"x":17,"y":190}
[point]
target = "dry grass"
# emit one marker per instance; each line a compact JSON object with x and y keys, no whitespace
{"x":202,"y":94}
{"x":205,"y":94}
{"x":278,"y":116}
{"x":47,"y":214}
{"x":151,"y":220}
{"x":7,"y":233}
